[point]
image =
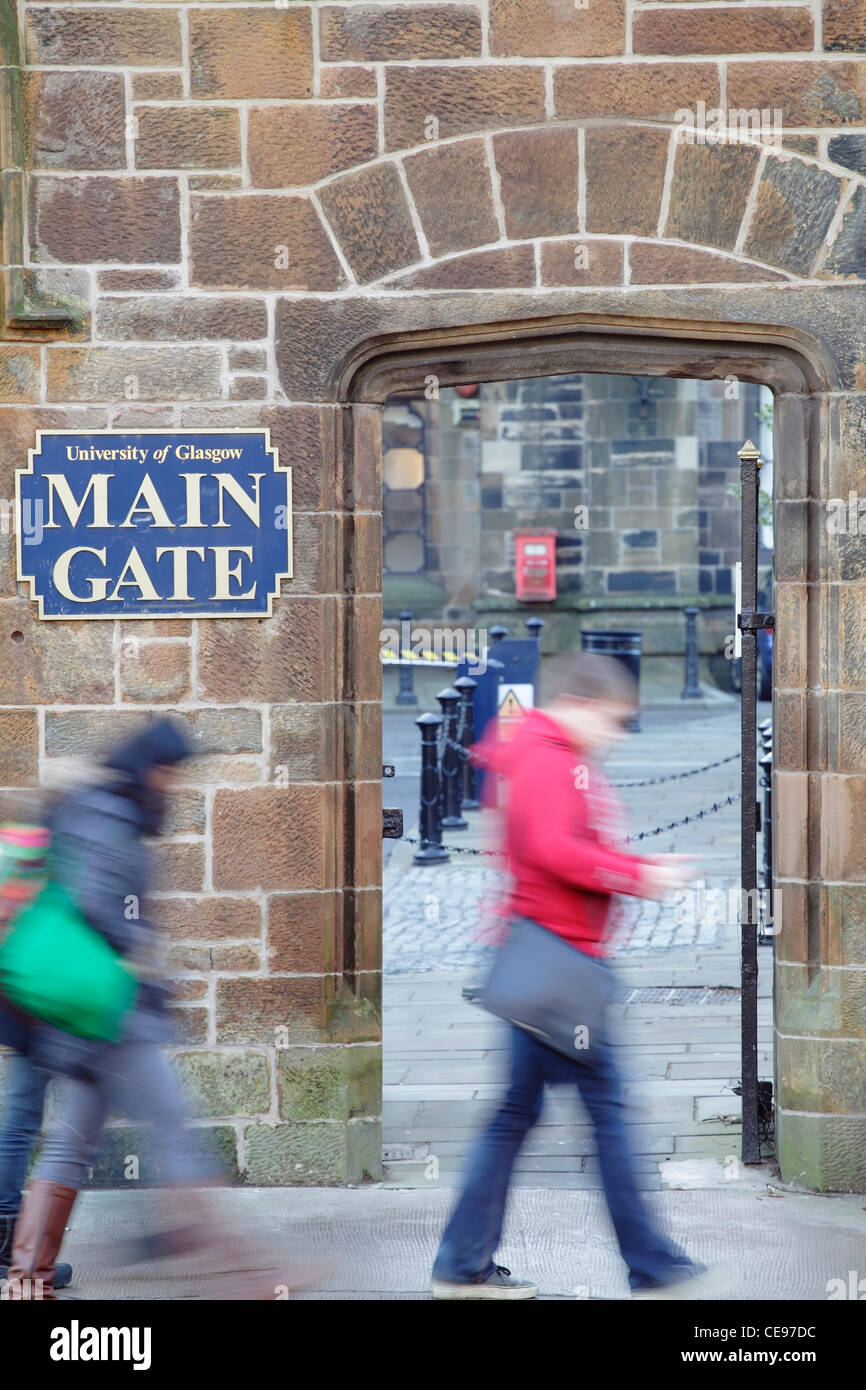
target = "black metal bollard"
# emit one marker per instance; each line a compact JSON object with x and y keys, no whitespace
{"x":533,"y":627}
{"x":692,"y":686}
{"x":406,"y":695}
{"x":450,"y":771}
{"x":429,"y":820}
{"x":466,"y":737}
{"x":498,"y":632}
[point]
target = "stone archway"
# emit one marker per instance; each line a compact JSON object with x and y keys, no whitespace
{"x":373,"y":348}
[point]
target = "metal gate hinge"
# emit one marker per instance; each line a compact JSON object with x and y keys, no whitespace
{"x":755,"y":622}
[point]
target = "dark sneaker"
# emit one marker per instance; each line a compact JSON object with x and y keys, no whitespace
{"x":62,"y":1273}
{"x":498,"y":1284}
{"x":686,"y":1281}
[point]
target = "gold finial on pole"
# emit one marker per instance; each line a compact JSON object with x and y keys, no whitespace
{"x":749,"y":453}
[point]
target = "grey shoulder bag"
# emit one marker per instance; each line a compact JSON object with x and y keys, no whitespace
{"x":558,"y":993}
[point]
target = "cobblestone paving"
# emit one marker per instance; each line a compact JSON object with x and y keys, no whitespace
{"x":435,"y":919}
{"x":432,"y":917}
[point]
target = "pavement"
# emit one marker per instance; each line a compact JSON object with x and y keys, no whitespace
{"x":775,"y":1245}
{"x":445,"y":1061}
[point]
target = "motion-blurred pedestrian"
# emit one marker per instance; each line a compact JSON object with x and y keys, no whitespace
{"x":99,"y":861}
{"x":23,"y":846}
{"x":561,"y":825}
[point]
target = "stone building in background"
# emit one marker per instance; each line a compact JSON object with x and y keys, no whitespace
{"x":283,"y":215}
{"x":637,"y":479}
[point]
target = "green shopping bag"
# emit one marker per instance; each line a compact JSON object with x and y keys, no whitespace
{"x":55,"y":967}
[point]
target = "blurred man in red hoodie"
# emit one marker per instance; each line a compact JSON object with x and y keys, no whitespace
{"x":561,"y":822}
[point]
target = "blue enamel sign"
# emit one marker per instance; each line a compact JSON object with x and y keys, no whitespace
{"x":156,"y":524}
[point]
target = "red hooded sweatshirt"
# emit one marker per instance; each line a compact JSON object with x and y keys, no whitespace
{"x":561,"y":820}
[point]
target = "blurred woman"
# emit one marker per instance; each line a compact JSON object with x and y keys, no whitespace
{"x":99,"y":858}
{"x":23,"y":845}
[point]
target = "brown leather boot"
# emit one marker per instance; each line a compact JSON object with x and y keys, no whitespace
{"x":38,"y":1236}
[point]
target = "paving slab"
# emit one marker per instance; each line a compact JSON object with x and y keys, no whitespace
{"x":384,"y":1241}
{"x":705,"y":1145}
{"x":711,"y":1107}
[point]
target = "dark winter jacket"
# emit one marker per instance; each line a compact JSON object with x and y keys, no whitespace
{"x":99,"y":856}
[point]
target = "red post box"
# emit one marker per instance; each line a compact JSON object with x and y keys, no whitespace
{"x":536,"y":565}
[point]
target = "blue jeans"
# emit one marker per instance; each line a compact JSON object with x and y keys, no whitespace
{"x":475,"y":1228}
{"x":22,"y":1121}
{"x":135,"y":1079}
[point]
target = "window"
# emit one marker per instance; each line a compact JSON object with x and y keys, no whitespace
{"x":404,"y":476}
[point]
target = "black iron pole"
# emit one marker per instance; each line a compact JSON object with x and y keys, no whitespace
{"x":429,"y":822}
{"x":692,"y":685}
{"x":750,"y":462}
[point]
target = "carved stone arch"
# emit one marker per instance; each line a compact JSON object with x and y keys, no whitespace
{"x":500,"y":209}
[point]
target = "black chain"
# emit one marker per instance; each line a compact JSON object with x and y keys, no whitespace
{"x":629,"y":839}
{"x":464,"y":752}
{"x":452,"y":849}
{"x":444,"y":740}
{"x":675,"y":824}
{"x":461,"y":723}
{"x":678,"y":776}
{"x":441,"y":740}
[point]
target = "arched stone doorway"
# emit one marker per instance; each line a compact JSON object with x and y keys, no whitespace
{"x":816,"y":989}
